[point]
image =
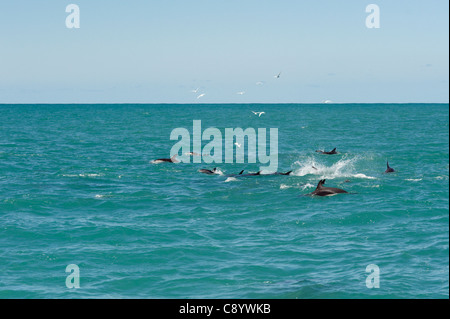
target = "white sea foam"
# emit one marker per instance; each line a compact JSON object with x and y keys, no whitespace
{"x":363,"y":176}
{"x":344,"y":168}
{"x":89,"y":175}
{"x":231,"y":179}
{"x":371,"y":186}
{"x":301,"y":186}
{"x":81,"y":175}
{"x":103,"y":195}
{"x":308,"y":185}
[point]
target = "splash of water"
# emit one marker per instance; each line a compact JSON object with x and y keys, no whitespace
{"x":344,"y":168}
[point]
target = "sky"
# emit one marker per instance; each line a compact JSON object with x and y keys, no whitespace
{"x":148,"y":51}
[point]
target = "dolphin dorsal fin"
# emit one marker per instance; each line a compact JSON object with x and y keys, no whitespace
{"x":318,"y":184}
{"x":242,"y":172}
{"x":387,"y":163}
{"x":321,"y":182}
{"x":334,"y":149}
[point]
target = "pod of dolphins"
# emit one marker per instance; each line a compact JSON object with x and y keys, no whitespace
{"x":320,"y":190}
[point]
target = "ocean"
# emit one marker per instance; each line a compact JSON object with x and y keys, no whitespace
{"x":78,"y":187}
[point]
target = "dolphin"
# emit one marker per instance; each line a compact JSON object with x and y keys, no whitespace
{"x":259,"y":174}
{"x":326,"y":191}
{"x":207,"y":171}
{"x":163,"y":160}
{"x":333,"y":151}
{"x":234,"y":175}
{"x":280,"y":173}
{"x":389,"y":169}
{"x":251,"y":174}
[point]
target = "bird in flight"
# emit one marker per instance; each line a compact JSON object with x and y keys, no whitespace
{"x":277,"y":76}
{"x":201,"y":95}
{"x":241,"y":93}
{"x":258,"y":113}
{"x":237,"y":144}
{"x":195,"y":91}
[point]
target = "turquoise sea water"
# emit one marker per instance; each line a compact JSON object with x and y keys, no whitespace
{"x":77,"y":187}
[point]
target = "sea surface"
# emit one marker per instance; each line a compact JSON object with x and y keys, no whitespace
{"x":77,"y":186}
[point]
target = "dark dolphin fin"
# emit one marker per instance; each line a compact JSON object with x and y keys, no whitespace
{"x":287,"y":173}
{"x":241,"y":172}
{"x":319,"y":185}
{"x":259,"y":173}
{"x":389,"y":169}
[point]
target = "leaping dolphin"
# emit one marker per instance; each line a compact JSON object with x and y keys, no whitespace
{"x":326,"y":191}
{"x":389,"y":169}
{"x":163,"y":160}
{"x":208,"y":172}
{"x":333,"y":151}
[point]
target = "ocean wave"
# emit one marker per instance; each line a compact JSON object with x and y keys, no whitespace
{"x":300,"y":186}
{"x":81,"y":175}
{"x":362,"y":176}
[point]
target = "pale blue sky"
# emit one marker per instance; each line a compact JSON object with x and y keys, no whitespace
{"x":158,"y":51}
